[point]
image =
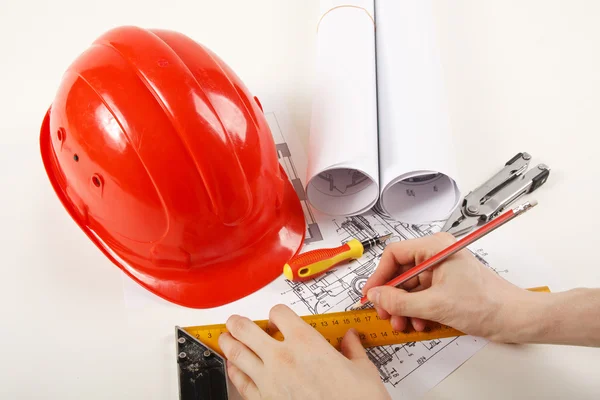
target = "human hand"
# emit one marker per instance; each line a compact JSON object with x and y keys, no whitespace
{"x":460,"y":292}
{"x":302,"y":366}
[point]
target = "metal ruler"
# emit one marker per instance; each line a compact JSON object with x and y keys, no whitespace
{"x":208,"y":362}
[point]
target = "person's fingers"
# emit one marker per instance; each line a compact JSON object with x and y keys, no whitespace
{"x":425,"y":280}
{"x":382,"y":313}
{"x":422,"y":286}
{"x":386,"y":269}
{"x":412,"y":283}
{"x":351,"y":346}
{"x":240,"y":355}
{"x":407,"y":252}
{"x":242,"y":382}
{"x":287,"y":321}
{"x":413,"y":250}
{"x":271,"y":328}
{"x":435,"y":244}
{"x":416,"y":284}
{"x":418,"y":323}
{"x":398,"y":323}
{"x":248,"y":333}
{"x":423,"y":304}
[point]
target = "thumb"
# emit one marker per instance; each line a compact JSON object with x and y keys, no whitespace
{"x":395,"y":301}
{"x":351,"y":346}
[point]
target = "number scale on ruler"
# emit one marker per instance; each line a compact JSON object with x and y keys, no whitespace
{"x":372,"y":330}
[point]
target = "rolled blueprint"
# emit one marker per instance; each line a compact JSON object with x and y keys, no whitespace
{"x":343,"y":173}
{"x":416,"y":155}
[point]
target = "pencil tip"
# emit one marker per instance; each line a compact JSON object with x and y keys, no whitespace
{"x":359,"y":305}
{"x":356,"y":305}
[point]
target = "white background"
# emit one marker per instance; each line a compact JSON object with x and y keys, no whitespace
{"x":521,"y":76}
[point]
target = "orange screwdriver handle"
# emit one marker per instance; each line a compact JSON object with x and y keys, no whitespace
{"x":313,"y":263}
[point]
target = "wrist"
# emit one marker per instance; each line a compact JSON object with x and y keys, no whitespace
{"x":526,"y":317}
{"x":551,"y":318}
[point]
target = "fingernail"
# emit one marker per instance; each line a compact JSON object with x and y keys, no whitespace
{"x":373,"y":295}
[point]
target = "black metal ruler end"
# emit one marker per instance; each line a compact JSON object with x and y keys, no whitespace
{"x":202,"y":372}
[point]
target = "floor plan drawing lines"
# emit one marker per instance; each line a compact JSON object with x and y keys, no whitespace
{"x":408,"y":370}
{"x":342,"y":182}
{"x":313,"y":233}
{"x":340,"y":288}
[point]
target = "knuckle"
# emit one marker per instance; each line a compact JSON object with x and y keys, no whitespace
{"x":234,"y":373}
{"x":423,"y":254}
{"x":304,"y":334}
{"x":391,"y":303}
{"x":244,"y":388}
{"x":237,"y":324}
{"x":284,"y":357}
{"x":397,"y":309}
{"x":391,"y":247}
{"x":233,"y":352}
{"x":445,"y":237}
{"x":390,"y":250}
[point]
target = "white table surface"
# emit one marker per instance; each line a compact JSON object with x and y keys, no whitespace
{"x":521,"y":75}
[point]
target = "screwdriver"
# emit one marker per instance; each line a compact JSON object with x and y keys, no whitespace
{"x":313,"y":263}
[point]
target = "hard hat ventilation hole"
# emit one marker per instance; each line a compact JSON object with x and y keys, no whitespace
{"x":60,"y":134}
{"x":75,"y":157}
{"x":97,"y":181}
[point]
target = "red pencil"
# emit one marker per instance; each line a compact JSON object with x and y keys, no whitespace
{"x":457,"y":246}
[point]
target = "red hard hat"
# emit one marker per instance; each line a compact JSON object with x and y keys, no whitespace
{"x":165,"y":160}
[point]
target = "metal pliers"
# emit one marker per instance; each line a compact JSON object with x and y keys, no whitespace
{"x":490,"y":199}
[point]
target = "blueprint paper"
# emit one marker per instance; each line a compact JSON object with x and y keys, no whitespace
{"x":380,"y":133}
{"x":343,"y":176}
{"x":415,"y":140}
{"x":408,"y":370}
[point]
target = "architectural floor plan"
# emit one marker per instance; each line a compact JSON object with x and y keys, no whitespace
{"x":340,"y":288}
{"x":408,"y":370}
